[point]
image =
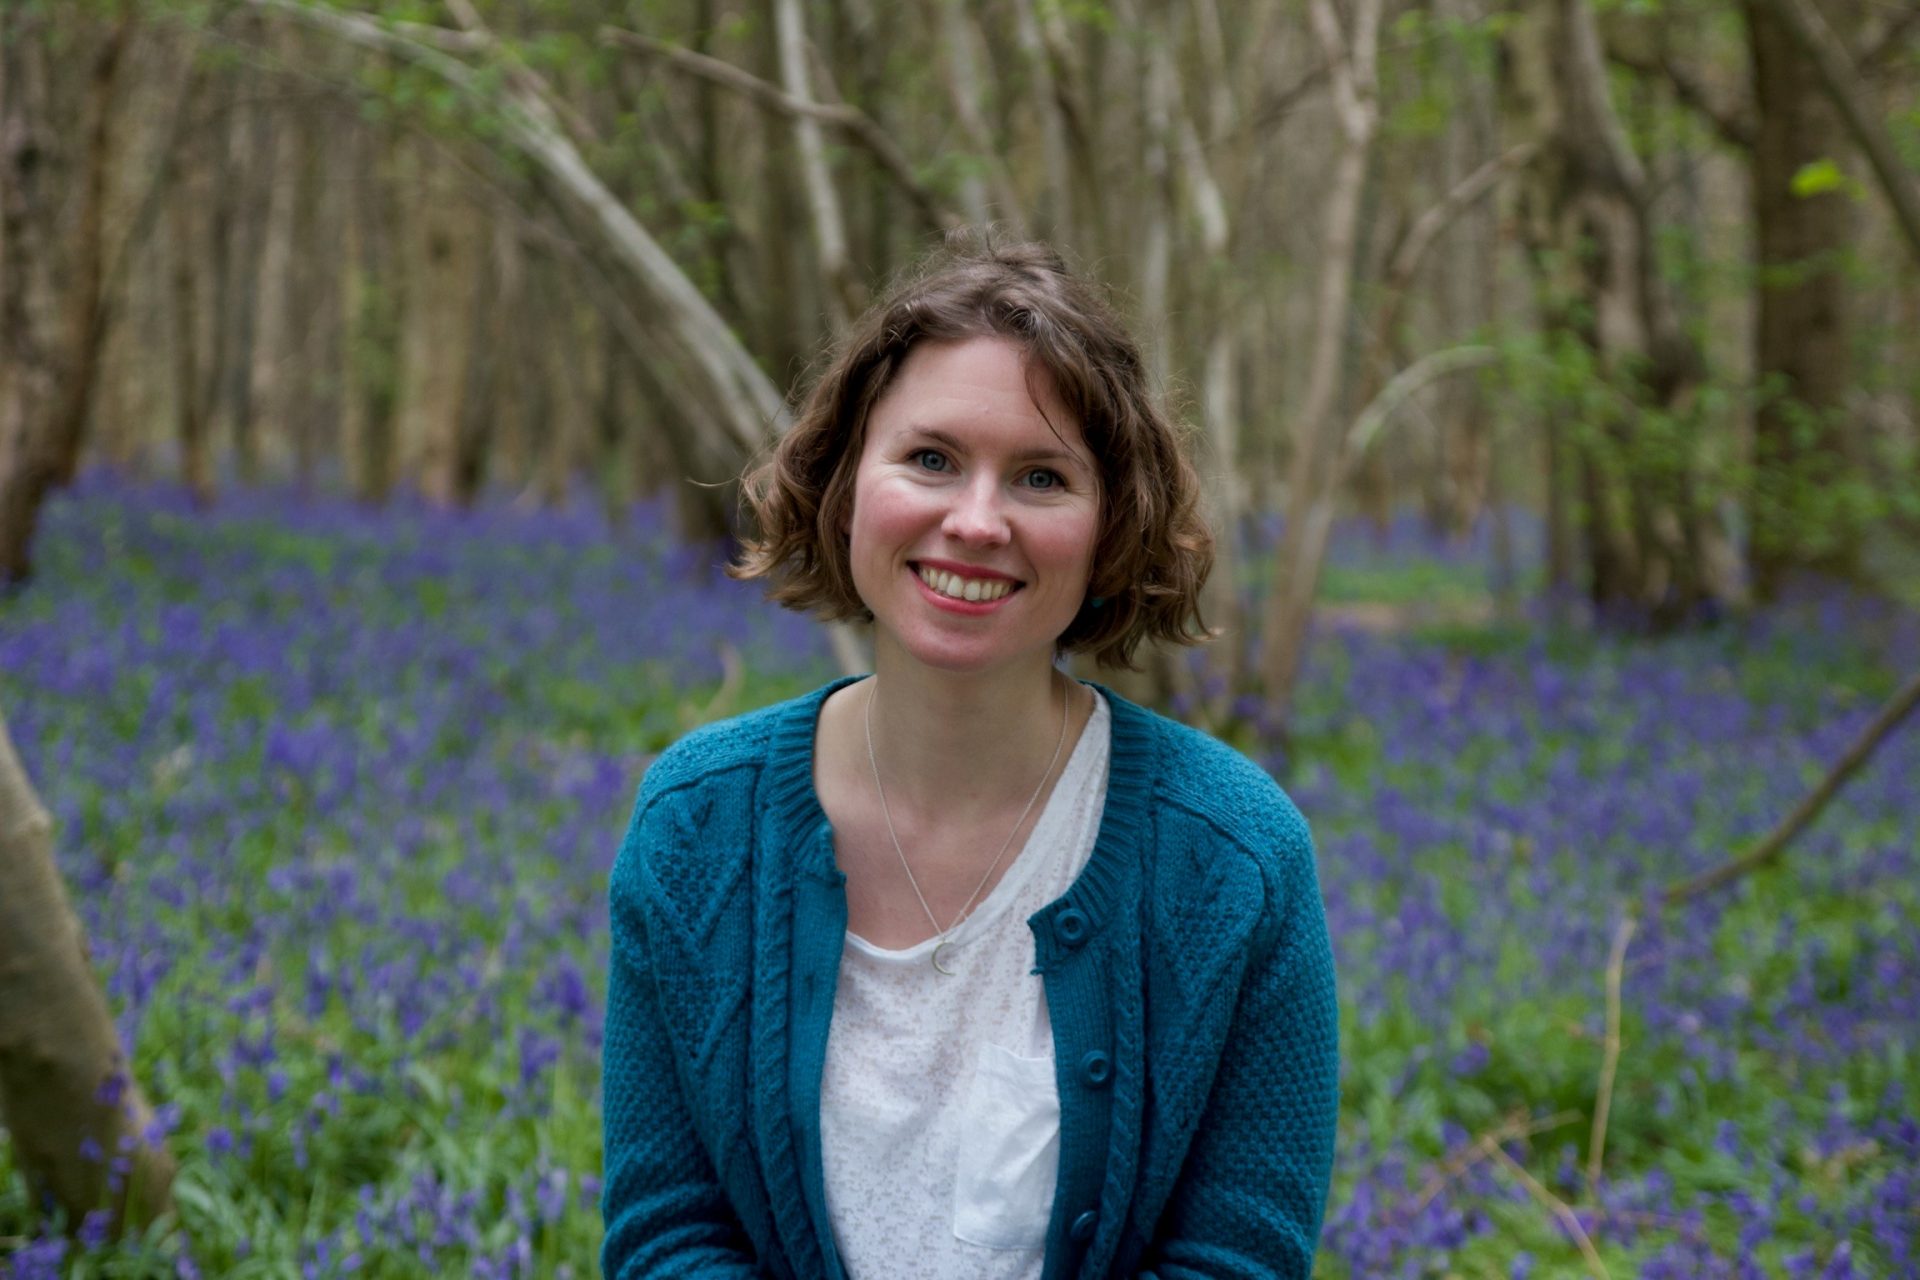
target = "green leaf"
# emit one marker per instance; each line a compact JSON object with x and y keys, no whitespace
{"x":1817,"y":179}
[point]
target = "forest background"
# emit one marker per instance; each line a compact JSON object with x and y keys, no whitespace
{"x":372,"y":379}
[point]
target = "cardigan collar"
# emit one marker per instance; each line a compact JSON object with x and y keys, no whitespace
{"x":1095,"y":891}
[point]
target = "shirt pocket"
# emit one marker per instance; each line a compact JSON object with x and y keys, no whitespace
{"x":1009,"y":1152}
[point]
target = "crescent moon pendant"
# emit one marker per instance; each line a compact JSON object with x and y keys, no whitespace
{"x":937,"y":966}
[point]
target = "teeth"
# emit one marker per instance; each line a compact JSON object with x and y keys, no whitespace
{"x":955,"y":587}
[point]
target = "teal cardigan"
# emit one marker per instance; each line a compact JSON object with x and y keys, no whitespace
{"x":1187,"y":974}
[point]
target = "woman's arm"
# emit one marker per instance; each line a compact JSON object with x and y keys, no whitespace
{"x":666,"y":1214}
{"x":1251,"y":1195}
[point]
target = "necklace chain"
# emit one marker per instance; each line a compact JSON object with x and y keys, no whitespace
{"x":874,"y":761}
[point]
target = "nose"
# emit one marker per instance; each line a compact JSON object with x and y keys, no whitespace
{"x":977,"y":516}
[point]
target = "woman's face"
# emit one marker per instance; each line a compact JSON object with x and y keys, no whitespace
{"x":974,"y":520}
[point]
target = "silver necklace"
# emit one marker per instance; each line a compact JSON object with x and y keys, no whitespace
{"x":945,"y":935}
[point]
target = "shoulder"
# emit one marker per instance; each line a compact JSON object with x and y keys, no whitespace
{"x":1223,"y":826}
{"x":1206,"y":780}
{"x":712,"y":750}
{"x":704,"y":789}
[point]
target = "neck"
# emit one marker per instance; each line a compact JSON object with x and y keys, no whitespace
{"x":963,"y":745}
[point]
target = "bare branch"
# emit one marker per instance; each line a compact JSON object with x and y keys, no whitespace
{"x":1879,"y":56}
{"x":458,"y":43}
{"x":1428,"y":226}
{"x":857,"y":124}
{"x":1809,"y":808}
{"x":1734,"y":123}
{"x":1609,"y":1054}
{"x":524,"y":77}
{"x":1428,"y":368}
{"x":1514,"y":1126}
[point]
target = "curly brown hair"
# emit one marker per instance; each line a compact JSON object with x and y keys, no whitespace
{"x":1154,"y":549}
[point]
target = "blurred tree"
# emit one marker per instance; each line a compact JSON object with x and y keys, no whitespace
{"x":67,"y":1098}
{"x":1624,"y":464}
{"x":1807,"y":496}
{"x":51,"y":325}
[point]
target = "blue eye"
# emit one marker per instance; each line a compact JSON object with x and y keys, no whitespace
{"x":931,"y":459}
{"x":1054,"y":479}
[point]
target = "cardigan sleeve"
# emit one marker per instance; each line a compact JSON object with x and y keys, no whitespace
{"x":1250,"y":1197}
{"x":665,"y":1211}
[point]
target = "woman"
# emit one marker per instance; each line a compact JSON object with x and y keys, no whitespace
{"x":966,"y":969}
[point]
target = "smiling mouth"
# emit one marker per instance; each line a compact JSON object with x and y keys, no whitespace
{"x":972,"y":590}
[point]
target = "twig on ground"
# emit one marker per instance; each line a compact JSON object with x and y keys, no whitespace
{"x":1560,"y":1210}
{"x":1514,"y":1126}
{"x":1609,"y":1054}
{"x":1808,"y":809}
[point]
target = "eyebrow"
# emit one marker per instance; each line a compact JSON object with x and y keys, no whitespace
{"x":1029,"y":455}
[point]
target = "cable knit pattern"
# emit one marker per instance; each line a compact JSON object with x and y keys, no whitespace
{"x":1188,"y":979}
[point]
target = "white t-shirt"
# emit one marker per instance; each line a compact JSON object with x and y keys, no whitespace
{"x":939,"y":1116}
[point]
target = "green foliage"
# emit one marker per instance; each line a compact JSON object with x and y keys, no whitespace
{"x":1820,"y":177}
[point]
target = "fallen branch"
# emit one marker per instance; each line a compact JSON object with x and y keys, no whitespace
{"x":1809,"y":808}
{"x":1560,"y":1210}
{"x":855,"y":123}
{"x":1609,"y":1054}
{"x":1514,"y":1126}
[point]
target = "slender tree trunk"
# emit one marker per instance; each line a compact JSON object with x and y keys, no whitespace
{"x":249,"y":156}
{"x":274,"y":359}
{"x":85,"y":326}
{"x":26,"y":384}
{"x":444,"y":265}
{"x":67,"y":1098}
{"x":1317,"y":441}
{"x":46,"y":395}
{"x":370,"y":306}
{"x":1798,"y":511}
{"x":189,"y":399}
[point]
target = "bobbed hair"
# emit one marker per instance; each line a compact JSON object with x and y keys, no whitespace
{"x":1153,"y":551}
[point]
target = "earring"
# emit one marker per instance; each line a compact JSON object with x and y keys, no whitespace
{"x":1098,"y":602}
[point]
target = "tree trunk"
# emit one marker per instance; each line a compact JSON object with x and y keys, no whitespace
{"x":248,"y":157}
{"x":66,"y":1095}
{"x":842,"y":293}
{"x":370,"y":306}
{"x":189,"y":398}
{"x":46,"y":395}
{"x":1589,"y":228}
{"x":85,"y":327}
{"x":26,"y":471}
{"x":1317,"y":440}
{"x":443,"y":269}
{"x":1798,"y":511}
{"x":274,"y":359}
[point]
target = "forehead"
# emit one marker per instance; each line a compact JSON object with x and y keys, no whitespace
{"x":979,"y":387}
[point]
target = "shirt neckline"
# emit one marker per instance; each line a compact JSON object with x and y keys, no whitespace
{"x":1025,"y":865}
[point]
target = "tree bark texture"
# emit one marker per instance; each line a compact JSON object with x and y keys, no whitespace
{"x":189,"y":380}
{"x":1799,"y":511}
{"x":1311,"y":492}
{"x":444,"y":250}
{"x":47,"y":386}
{"x":67,"y":1098}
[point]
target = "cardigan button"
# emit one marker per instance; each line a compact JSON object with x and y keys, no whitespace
{"x":1096,"y":1068}
{"x":1070,"y":926}
{"x":1083,"y":1226}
